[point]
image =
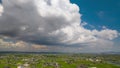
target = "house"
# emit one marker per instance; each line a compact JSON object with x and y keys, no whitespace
{"x":92,"y":67}
{"x":20,"y":66}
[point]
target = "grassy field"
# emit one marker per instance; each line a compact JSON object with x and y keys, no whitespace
{"x":59,"y":61}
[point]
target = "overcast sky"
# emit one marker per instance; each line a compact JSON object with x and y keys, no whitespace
{"x":59,"y":25}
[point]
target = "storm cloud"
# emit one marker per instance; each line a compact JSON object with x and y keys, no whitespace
{"x":48,"y":22}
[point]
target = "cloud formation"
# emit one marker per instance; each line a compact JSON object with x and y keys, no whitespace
{"x":48,"y":22}
{"x":1,"y":9}
{"x":20,"y":46}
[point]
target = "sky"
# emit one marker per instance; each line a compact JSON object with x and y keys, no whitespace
{"x":100,"y":12}
{"x":60,"y":25}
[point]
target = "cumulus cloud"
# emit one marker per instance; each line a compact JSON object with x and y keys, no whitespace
{"x":48,"y":22}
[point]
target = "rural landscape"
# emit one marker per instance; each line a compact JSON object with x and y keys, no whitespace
{"x":55,"y":60}
{"x":59,"y":33}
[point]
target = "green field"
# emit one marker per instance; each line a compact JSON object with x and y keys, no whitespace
{"x":59,"y":61}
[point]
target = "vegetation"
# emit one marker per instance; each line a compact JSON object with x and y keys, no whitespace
{"x":59,"y":61}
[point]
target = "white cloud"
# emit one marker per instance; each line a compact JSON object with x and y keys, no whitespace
{"x":104,"y":27}
{"x":106,"y":34}
{"x":49,"y":22}
{"x":1,"y":9}
{"x":101,"y":14}
{"x":84,"y":24}
{"x":57,"y":8}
